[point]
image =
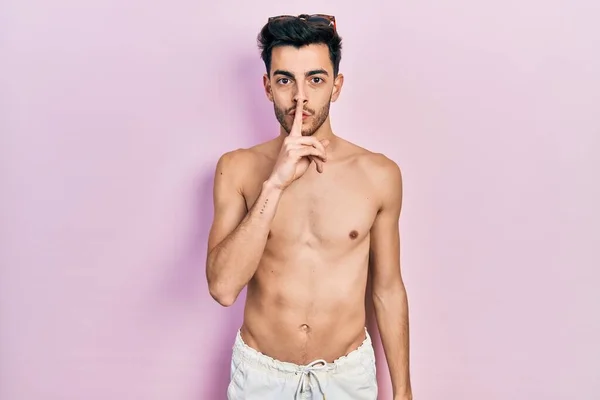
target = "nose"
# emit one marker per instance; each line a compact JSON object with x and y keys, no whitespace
{"x":300,"y":94}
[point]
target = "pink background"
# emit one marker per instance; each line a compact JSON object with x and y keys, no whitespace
{"x":113,"y":115}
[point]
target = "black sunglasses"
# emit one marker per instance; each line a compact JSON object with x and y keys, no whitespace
{"x":328,"y":20}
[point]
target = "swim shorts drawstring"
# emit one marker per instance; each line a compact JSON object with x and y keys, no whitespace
{"x":307,"y":373}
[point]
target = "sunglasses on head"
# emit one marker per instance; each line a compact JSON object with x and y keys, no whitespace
{"x":328,"y":20}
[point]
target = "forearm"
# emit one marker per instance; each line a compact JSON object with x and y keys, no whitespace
{"x":232,"y":263}
{"x":391,"y":310}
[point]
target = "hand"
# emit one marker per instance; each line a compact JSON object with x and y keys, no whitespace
{"x":297,"y":152}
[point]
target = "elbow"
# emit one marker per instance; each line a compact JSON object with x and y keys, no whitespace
{"x":221,"y":289}
{"x":224,"y":298}
{"x":389,"y":292}
{"x":222,"y":294}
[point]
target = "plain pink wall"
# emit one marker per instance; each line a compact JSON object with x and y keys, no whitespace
{"x":113,"y":115}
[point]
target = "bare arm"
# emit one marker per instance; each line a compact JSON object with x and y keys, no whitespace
{"x":237,"y":238}
{"x":389,"y":294}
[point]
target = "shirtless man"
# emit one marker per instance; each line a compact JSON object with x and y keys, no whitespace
{"x":303,"y":220}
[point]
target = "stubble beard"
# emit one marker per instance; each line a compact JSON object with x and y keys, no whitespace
{"x":318,"y":118}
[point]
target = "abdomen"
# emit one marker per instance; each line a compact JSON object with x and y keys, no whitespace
{"x":302,"y":306}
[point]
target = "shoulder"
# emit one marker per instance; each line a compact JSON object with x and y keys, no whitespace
{"x":231,"y":165}
{"x":239,"y":160}
{"x":238,"y":166}
{"x":234,"y":160}
{"x":383,"y":175}
{"x":379,"y":169}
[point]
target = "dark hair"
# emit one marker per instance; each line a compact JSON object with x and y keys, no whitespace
{"x":299,"y":32}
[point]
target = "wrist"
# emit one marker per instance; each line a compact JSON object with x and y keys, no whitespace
{"x":406,"y":396}
{"x":271,"y":186}
{"x":404,"y":393}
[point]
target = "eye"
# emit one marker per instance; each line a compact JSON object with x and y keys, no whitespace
{"x":283,"y":81}
{"x":317,"y":80}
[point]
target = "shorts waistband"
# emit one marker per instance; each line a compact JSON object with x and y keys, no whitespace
{"x":351,"y":361}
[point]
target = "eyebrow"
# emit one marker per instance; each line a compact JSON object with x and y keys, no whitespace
{"x":309,"y":73}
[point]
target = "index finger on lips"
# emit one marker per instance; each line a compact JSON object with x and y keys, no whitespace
{"x":297,"y":124}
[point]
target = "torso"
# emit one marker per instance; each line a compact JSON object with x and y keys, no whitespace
{"x":306,"y":300}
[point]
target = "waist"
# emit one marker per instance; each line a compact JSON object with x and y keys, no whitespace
{"x":352,"y":361}
{"x":302,"y":341}
{"x":298,"y":331}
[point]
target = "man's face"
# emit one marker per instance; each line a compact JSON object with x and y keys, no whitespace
{"x":304,"y":73}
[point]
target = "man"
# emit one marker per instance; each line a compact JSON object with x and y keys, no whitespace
{"x":302,"y":220}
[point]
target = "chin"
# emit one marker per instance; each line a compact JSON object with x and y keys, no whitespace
{"x":309,"y":132}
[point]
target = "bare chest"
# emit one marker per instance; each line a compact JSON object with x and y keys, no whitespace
{"x":335,"y":209}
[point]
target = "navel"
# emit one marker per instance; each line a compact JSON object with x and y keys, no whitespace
{"x":305,"y":328}
{"x":353,"y":235}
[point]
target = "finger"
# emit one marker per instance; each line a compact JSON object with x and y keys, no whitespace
{"x":310,"y":141}
{"x":307,"y":140}
{"x":292,"y":148}
{"x":318,"y":163}
{"x":297,"y":142}
{"x":306,"y":151}
{"x":297,"y":124}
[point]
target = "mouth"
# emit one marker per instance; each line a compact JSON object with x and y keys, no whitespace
{"x":304,"y":115}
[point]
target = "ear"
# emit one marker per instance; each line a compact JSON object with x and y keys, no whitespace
{"x":267,"y":85}
{"x":337,"y":87}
